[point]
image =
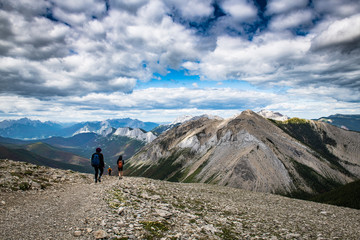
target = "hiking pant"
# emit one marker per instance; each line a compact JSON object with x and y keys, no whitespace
{"x":97,"y":168}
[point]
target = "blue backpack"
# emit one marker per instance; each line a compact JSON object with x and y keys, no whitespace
{"x":95,"y":160}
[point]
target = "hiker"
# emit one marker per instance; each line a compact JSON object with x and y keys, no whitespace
{"x":97,"y":161}
{"x":120,"y":163}
{"x":109,"y":170}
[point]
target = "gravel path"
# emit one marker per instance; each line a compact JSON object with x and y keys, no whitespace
{"x":140,"y":208}
{"x":59,"y":213}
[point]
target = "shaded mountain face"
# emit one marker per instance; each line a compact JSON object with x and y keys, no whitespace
{"x":349,"y":122}
{"x":253,"y":153}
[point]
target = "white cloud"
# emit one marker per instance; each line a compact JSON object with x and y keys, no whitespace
{"x":340,"y":32}
{"x":195,"y":85}
{"x":27,"y":8}
{"x":163,"y":104}
{"x":321,"y":92}
{"x":235,"y":58}
{"x":281,"y":6}
{"x":291,"y":20}
{"x":241,"y":10}
{"x":51,"y":49}
{"x":123,"y":84}
{"x":337,"y":8}
{"x":192,"y":9}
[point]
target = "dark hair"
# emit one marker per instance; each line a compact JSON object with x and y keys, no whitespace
{"x":120,"y":157}
{"x":98,"y":150}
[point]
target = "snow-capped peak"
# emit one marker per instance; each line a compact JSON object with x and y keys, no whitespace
{"x":273,"y":115}
{"x":181,"y":119}
{"x":135,"y":133}
{"x":105,"y":130}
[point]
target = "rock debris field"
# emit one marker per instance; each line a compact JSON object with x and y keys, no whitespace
{"x":44,"y":203}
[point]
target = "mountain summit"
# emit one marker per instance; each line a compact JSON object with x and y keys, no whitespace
{"x":273,"y":115}
{"x":253,"y":153}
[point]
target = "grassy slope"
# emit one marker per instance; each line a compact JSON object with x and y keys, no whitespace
{"x":51,"y":152}
{"x":26,"y":156}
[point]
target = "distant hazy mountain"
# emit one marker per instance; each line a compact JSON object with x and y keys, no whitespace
{"x":28,"y":129}
{"x":248,"y":151}
{"x":348,"y":122}
{"x":33,"y":129}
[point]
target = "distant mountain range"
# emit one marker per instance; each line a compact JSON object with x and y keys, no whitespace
{"x":70,"y":153}
{"x":33,"y":129}
{"x":348,"y":122}
{"x":295,"y":157}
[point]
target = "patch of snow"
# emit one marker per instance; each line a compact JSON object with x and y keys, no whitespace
{"x":181,"y":119}
{"x":273,"y":115}
{"x":135,"y":133}
{"x":85,"y":129}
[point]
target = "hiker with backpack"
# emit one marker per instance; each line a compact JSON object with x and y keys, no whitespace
{"x":97,"y":161}
{"x":120,"y":163}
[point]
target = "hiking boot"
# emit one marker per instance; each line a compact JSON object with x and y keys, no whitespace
{"x":99,"y":179}
{"x":96,"y":180}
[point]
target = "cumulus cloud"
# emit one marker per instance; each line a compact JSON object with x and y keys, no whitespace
{"x":240,"y":10}
{"x":52,"y":50}
{"x":95,"y":54}
{"x":281,"y":6}
{"x":264,"y":58}
{"x":147,"y":100}
{"x":149,"y":104}
{"x":292,"y":20}
{"x":192,"y":9}
{"x":336,"y":8}
{"x":343,"y":33}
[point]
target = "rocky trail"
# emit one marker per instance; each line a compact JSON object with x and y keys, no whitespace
{"x":73,"y":207}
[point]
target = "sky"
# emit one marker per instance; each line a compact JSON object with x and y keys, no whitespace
{"x":155,"y":60}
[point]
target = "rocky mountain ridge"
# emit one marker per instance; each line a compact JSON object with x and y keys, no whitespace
{"x":253,"y":153}
{"x":138,"y":208}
